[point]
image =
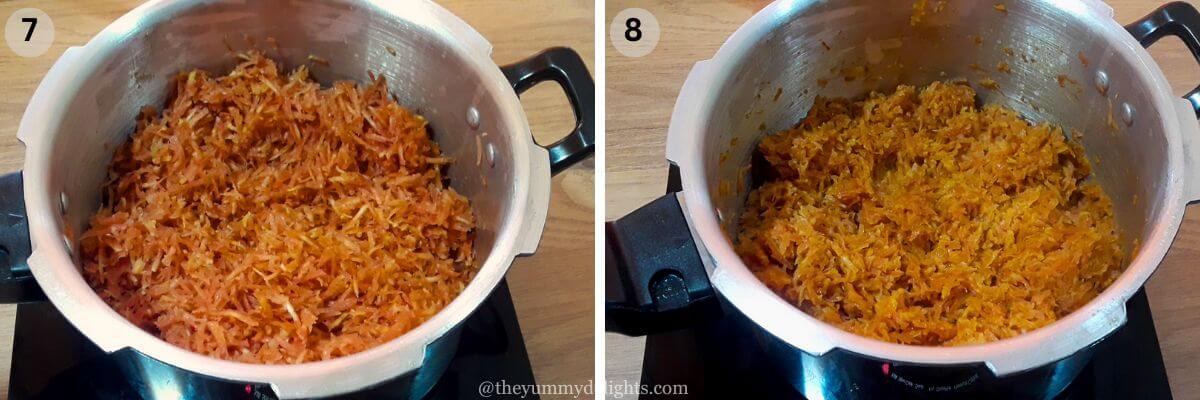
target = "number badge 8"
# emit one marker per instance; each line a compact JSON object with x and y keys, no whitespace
{"x":634,"y":32}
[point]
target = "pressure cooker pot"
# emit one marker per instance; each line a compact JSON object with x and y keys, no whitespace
{"x":1072,"y":65}
{"x":88,"y":103}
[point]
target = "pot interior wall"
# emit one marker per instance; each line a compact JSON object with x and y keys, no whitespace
{"x":848,"y":49}
{"x":425,"y":70}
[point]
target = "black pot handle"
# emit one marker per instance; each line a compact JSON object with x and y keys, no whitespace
{"x":1178,"y":19}
{"x":16,"y":282}
{"x":654,"y":278}
{"x":564,"y":66}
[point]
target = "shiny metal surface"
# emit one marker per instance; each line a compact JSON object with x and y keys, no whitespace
{"x":803,"y":48}
{"x":434,"y":62}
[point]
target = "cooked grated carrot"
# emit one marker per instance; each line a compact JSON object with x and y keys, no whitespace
{"x":263,"y":219}
{"x":918,"y":218}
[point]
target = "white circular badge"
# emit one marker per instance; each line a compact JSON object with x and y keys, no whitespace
{"x":29,"y":32}
{"x":634,"y":32}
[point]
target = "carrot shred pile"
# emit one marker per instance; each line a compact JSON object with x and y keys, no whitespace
{"x":263,"y":219}
{"x":917,"y":217}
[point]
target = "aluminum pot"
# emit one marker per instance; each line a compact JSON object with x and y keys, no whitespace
{"x":433,"y":61}
{"x":1071,"y":65}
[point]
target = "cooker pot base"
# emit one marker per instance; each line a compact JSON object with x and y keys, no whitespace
{"x":51,"y":359}
{"x":718,"y":360}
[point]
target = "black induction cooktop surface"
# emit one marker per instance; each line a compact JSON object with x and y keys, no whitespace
{"x":719,"y":360}
{"x":52,"y":360}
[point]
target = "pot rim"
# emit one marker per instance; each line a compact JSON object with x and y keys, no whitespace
{"x":53,"y":267}
{"x":730,"y":276}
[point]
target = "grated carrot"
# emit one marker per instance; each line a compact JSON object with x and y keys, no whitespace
{"x":269,"y":172}
{"x":918,"y":218}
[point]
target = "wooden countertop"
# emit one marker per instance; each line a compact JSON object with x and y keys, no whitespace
{"x":641,"y":93}
{"x":557,"y":319}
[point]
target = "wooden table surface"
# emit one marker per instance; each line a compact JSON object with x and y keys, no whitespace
{"x":640,"y":94}
{"x":552,"y":289}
